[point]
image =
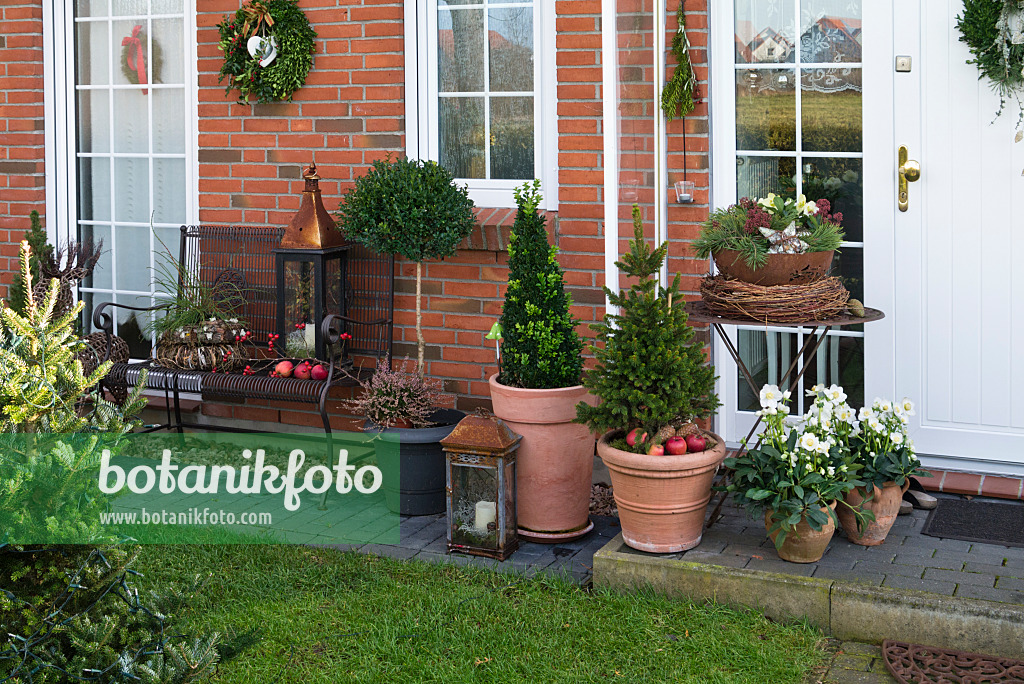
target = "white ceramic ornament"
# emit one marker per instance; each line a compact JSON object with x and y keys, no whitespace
{"x":261,"y":44}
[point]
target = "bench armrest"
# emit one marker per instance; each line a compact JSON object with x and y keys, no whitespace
{"x":103,"y":320}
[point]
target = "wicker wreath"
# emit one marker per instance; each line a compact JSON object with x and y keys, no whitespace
{"x":818,"y":301}
{"x":214,"y":345}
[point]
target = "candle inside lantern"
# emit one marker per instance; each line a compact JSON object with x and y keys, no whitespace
{"x":486,"y":513}
{"x":310,"y":337}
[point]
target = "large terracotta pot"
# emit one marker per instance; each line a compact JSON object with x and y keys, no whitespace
{"x":803,"y":544}
{"x":780,"y":269}
{"x":885,"y":504}
{"x":555,"y":461}
{"x":662,"y":500}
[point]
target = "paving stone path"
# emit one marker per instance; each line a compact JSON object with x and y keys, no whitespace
{"x":855,"y":663}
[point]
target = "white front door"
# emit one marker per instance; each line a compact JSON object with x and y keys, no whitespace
{"x":958,"y":268}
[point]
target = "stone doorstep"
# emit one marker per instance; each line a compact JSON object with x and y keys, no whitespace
{"x":842,"y":609}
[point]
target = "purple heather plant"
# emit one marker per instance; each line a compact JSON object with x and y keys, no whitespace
{"x":396,"y":395}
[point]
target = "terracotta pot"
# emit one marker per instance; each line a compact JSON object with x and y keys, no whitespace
{"x":803,"y":544}
{"x":780,"y":269}
{"x":885,"y":504}
{"x":555,"y":461}
{"x":662,"y":500}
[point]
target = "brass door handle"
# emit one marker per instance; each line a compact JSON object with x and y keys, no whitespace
{"x":910,"y":171}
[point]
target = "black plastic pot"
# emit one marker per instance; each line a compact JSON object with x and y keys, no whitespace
{"x":413,"y":464}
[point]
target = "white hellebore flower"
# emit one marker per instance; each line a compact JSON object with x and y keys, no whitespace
{"x":875,"y":424}
{"x":770,"y":396}
{"x":844,"y":414}
{"x":805,"y":207}
{"x":907,"y":406}
{"x":831,"y":471}
{"x":865,"y":414}
{"x":809,"y":441}
{"x":784,"y":409}
{"x":851,"y":176}
{"x":835,"y":394}
{"x":896,"y":438}
{"x":786,"y":394}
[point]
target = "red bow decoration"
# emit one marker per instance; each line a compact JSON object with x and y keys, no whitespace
{"x":136,"y":58}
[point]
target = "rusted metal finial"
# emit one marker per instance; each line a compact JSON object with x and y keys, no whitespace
{"x":312,"y":226}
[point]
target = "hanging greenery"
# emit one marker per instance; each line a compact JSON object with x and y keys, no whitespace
{"x":133,"y":58}
{"x":681,"y":91}
{"x":994,"y":31}
{"x":281,"y":61}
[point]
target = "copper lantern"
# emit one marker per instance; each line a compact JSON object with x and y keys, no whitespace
{"x":481,"y":487}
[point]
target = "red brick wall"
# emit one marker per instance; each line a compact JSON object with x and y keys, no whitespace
{"x":22,"y":183}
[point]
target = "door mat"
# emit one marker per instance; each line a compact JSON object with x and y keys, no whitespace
{"x":977,"y":521}
{"x":913,"y":663}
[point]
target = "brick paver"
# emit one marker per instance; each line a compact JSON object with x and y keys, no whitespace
{"x":855,"y":663}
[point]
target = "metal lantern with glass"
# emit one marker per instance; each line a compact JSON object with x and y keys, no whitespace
{"x":481,"y":487}
{"x":310,"y":274}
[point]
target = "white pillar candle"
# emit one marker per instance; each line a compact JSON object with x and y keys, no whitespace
{"x":310,"y":333}
{"x":486,"y":513}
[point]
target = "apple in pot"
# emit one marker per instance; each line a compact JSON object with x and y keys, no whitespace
{"x":696,"y":443}
{"x":635,"y":436}
{"x":676,"y":446}
{"x":656,"y":450}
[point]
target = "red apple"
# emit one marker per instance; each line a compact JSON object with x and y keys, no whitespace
{"x":319,"y":372}
{"x":675,"y":446}
{"x":656,"y":450}
{"x":696,"y":443}
{"x":634,"y":436}
{"x":302,"y":371}
{"x":284,"y":369}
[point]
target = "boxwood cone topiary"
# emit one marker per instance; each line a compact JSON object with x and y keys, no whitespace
{"x":540,"y":349}
{"x":649,"y":373}
{"x":411,"y":208}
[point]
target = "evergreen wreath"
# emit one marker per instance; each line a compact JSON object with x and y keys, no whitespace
{"x":994,"y":32}
{"x":295,"y":47}
{"x":679,"y":95}
{"x":156,"y":57}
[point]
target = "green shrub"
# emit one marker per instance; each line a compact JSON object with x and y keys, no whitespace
{"x":411,"y":208}
{"x":650,"y":373}
{"x":540,"y":348}
{"x":41,"y":249}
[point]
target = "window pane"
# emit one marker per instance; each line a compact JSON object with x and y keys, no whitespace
{"x":511,"y":49}
{"x":168,"y":41}
{"x":131,"y":258}
{"x":131,"y":121}
{"x":840,"y":361}
{"x":167,"y":7}
{"x":94,"y":188}
{"x":830,"y":31}
{"x":765,"y":109}
{"x":93,"y":63}
{"x":169,"y":191}
{"x":131,"y":189}
{"x":461,"y":129}
{"x":840,"y":181}
{"x":764,"y":31}
{"x":94,"y":120}
{"x":831,"y":110}
{"x":169,"y":120}
{"x":91,"y":8}
{"x":133,"y":326}
{"x":512,"y":138}
{"x":460,"y":50}
{"x":125,"y":74}
{"x":131,"y":7}
{"x":101,"y":278}
{"x":758,"y":176}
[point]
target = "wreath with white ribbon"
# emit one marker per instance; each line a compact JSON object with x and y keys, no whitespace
{"x":268,"y":48}
{"x":994,"y":32}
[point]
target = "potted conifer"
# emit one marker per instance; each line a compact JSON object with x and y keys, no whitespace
{"x":538,"y":385}
{"x":653,"y":381}
{"x":413,"y":209}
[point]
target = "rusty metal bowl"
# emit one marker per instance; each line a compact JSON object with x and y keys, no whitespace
{"x":781,"y":269}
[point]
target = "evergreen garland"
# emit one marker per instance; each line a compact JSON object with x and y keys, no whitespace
{"x":994,"y":32}
{"x":540,"y":349}
{"x":295,"y":47}
{"x":650,"y":373}
{"x":677,"y":98}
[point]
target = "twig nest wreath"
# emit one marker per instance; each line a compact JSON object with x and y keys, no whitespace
{"x":994,"y":31}
{"x":268,"y":50}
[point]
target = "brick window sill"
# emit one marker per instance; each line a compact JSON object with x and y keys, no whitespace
{"x":494,"y":227}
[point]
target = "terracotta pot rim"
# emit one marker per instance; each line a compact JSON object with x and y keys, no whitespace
{"x":493,"y":381}
{"x":665,"y":462}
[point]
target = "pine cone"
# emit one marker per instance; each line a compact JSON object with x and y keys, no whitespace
{"x":688,"y":429}
{"x":663,"y":434}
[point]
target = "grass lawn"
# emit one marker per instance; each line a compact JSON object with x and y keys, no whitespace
{"x":327,"y":616}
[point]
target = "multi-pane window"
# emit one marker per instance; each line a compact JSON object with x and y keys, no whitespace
{"x":133,"y":148}
{"x":485,"y":104}
{"x":799,"y":131}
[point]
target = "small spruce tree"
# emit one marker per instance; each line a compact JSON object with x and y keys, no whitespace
{"x":40,"y":250}
{"x":540,"y":349}
{"x":649,"y":373}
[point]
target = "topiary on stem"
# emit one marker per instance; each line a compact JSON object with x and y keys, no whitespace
{"x":540,"y":349}
{"x":650,"y":373}
{"x":411,"y":208}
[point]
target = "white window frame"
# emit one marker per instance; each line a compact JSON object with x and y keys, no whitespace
{"x":421,"y":109}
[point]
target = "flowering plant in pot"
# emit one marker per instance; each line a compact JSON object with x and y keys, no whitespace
{"x":652,"y":380}
{"x":400,"y":405}
{"x":885,"y":453}
{"x":538,"y":384}
{"x":798,"y":472}
{"x":773,"y":240}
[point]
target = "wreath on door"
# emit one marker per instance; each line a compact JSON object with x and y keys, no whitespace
{"x":994,"y":32}
{"x":268,"y":48}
